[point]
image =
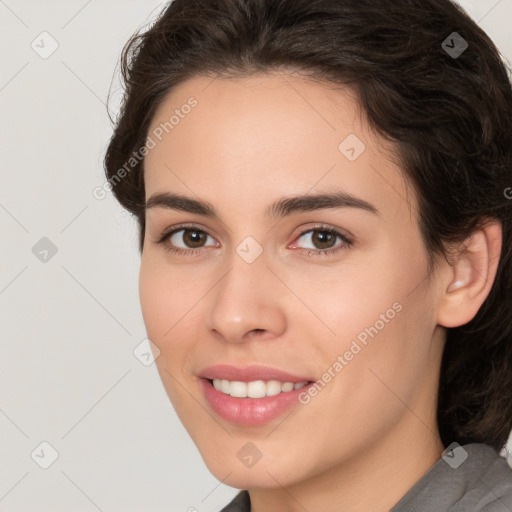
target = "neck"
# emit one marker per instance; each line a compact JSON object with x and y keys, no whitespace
{"x":375,"y":478}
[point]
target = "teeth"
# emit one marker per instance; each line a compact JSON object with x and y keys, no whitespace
{"x":254,"y":389}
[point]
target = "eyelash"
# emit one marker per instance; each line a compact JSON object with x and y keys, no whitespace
{"x":310,"y":252}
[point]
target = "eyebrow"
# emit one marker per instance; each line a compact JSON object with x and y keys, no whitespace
{"x":281,"y":208}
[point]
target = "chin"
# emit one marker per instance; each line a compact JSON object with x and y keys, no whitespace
{"x":262,"y":475}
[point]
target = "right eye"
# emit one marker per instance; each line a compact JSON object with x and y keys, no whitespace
{"x":191,"y":238}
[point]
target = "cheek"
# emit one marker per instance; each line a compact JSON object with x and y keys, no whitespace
{"x":152,"y":300}
{"x":366,"y":314}
{"x":165,"y":296}
{"x":163,"y":310}
{"x":169,"y":300}
{"x":383,"y":336}
{"x":348,"y":299}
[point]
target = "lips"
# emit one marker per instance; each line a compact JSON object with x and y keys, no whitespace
{"x":248,"y":412}
{"x":251,"y":373}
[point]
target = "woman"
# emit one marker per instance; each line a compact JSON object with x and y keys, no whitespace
{"x":323,"y":194}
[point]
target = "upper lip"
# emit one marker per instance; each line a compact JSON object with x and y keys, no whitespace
{"x":249,"y":373}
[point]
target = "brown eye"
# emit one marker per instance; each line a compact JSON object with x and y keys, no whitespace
{"x":193,"y":238}
{"x":184,"y":240}
{"x":323,"y":240}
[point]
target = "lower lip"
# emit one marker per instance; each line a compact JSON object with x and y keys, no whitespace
{"x":250,"y":411}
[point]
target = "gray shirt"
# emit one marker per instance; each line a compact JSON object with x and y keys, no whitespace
{"x":475,"y":479}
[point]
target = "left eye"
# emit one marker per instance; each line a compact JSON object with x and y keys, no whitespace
{"x":323,"y":240}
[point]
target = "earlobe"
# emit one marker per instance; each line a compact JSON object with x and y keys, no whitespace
{"x":469,"y":280}
{"x":455,"y":286}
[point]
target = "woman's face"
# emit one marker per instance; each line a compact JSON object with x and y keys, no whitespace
{"x":328,"y":290}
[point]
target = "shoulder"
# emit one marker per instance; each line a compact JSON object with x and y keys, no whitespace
{"x":492,"y":483}
{"x":240,"y":503}
{"x":500,"y":504}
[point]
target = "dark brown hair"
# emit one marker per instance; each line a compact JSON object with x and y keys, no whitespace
{"x":448,"y":116}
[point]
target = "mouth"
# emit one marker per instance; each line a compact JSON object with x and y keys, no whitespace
{"x":256,"y":409}
{"x":251,"y":373}
{"x":256,"y":388}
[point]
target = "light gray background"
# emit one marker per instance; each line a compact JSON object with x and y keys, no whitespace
{"x":68,"y":326}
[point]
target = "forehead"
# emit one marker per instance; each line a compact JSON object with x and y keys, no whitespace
{"x":259,"y":105}
{"x":266,"y":135}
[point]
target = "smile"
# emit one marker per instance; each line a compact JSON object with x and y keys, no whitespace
{"x":256,"y":388}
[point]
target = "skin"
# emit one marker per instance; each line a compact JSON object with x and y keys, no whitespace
{"x":371,"y":433}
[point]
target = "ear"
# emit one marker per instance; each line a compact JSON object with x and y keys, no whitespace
{"x":467,"y":282}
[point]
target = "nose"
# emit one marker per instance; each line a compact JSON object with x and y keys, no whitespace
{"x":248,"y":301}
